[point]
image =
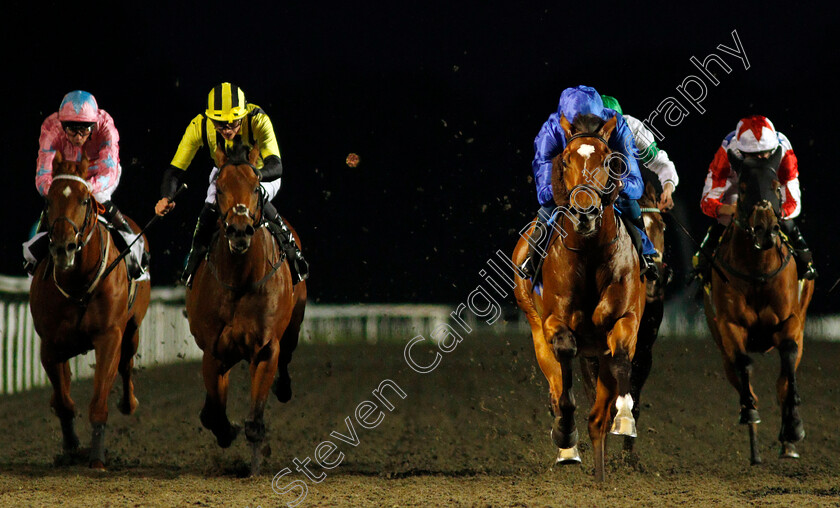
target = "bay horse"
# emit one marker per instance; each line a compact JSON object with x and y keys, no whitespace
{"x":654,"y":298}
{"x":763,"y":305}
{"x":592,"y":296}
{"x":75,"y":308}
{"x":243,"y":304}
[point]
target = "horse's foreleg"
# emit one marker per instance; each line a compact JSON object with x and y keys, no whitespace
{"x":621,"y":340}
{"x":282,"y":386}
{"x":107,"y":347}
{"x":263,"y":368}
{"x":214,"y":413}
{"x":643,"y":358}
{"x":792,"y":430}
{"x":131,"y":338}
{"x":564,"y":349}
{"x":60,"y":401}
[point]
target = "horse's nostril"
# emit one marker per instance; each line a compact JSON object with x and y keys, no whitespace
{"x":249,"y":230}
{"x":70,"y":247}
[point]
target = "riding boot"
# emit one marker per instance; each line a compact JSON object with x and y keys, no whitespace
{"x":115,"y":218}
{"x":40,"y":247}
{"x":802,"y":254}
{"x":529,"y":266}
{"x":202,"y":236}
{"x":298,"y":265}
{"x":702,"y":258}
{"x":647,"y":263}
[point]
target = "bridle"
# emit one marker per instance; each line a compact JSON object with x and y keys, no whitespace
{"x":607,"y":197}
{"x":78,"y":231}
{"x":241,"y":209}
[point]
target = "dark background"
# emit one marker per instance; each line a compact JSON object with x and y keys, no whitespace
{"x":441,"y":100}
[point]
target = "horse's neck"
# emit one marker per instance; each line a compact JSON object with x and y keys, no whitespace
{"x":250,"y":265}
{"x":601,"y":242}
{"x":743,"y":255}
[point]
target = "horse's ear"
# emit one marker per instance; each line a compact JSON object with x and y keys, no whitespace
{"x":607,"y":129}
{"x":254,"y":155}
{"x":58,"y":159}
{"x":83,"y":166}
{"x":221,"y":156}
{"x":567,"y":127}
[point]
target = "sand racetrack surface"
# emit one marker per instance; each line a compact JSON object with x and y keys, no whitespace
{"x":473,"y":432}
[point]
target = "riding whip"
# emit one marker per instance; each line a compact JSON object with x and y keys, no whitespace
{"x":154,"y":219}
{"x":702,"y":251}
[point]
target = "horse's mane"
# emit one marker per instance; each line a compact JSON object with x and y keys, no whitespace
{"x":70,"y":168}
{"x":238,"y":154}
{"x":587,"y":124}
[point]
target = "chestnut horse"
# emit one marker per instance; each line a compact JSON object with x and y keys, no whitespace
{"x":763,"y":305}
{"x":243,"y":305}
{"x":75,"y":309}
{"x":592,"y":297}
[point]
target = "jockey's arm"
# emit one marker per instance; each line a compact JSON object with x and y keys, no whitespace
{"x":49,"y":142}
{"x":105,"y":171}
{"x":546,"y":147}
{"x":191,"y":141}
{"x":788,"y":173}
{"x":269,"y":150}
{"x":623,"y":142}
{"x":720,"y":184}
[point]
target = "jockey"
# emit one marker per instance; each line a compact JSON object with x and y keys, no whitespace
{"x":229,"y":119}
{"x":651,"y":155}
{"x":78,"y":129}
{"x":551,"y":141}
{"x":754,"y":137}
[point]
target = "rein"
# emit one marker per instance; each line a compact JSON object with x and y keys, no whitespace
{"x":240,"y":209}
{"x":761,"y":278}
{"x":252,"y":285}
{"x":85,"y":297}
{"x":651,"y":210}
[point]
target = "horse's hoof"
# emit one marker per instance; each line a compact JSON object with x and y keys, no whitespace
{"x":564,"y":441}
{"x":788,"y":451}
{"x":566,"y":456}
{"x":624,"y":426}
{"x":97,"y":465}
{"x":129,"y":408}
{"x":283,"y":390}
{"x":227,"y":438}
{"x":749,"y":416}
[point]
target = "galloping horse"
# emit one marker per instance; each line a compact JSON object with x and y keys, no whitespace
{"x":243,"y":305}
{"x":762,"y":306}
{"x":592,"y":297}
{"x":654,"y":302}
{"x":75,"y":308}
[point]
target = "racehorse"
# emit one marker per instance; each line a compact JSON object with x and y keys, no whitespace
{"x":243,"y":304}
{"x":592,"y":296}
{"x":77,"y":306}
{"x":763,"y":305}
{"x":654,"y":299}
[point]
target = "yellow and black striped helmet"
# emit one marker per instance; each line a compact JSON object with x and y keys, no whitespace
{"x":226,"y":103}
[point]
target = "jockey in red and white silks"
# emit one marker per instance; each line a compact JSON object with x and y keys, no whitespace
{"x":753,"y":134}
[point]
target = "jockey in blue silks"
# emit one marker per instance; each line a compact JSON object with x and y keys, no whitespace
{"x":551,"y":141}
